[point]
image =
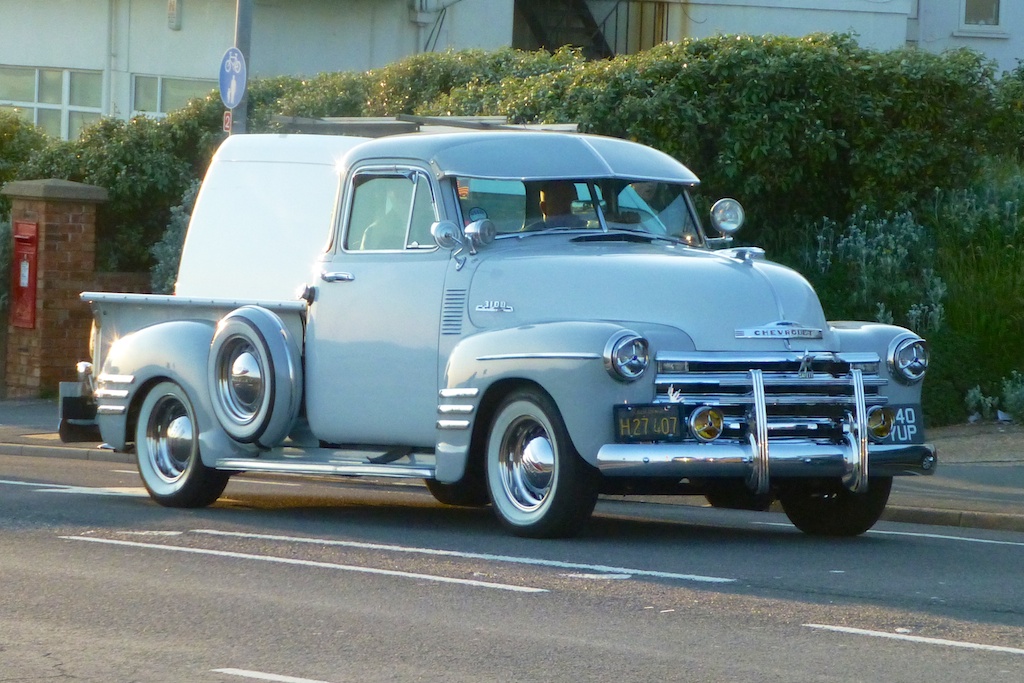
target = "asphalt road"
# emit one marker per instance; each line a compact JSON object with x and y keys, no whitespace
{"x":337,"y":581}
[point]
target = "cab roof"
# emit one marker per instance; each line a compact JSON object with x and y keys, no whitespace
{"x":527,"y":155}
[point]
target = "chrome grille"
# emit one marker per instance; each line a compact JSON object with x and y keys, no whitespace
{"x":807,"y":395}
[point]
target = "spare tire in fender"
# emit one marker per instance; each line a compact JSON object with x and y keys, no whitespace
{"x":255,"y":376}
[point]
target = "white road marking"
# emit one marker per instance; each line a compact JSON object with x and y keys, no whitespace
{"x":941,"y":537}
{"x":917,"y":639}
{"x":42,"y":487}
{"x":131,"y":491}
{"x":264,"y":482}
{"x":310,"y":563}
{"x":599,"y":577}
{"x":474,"y":556}
{"x":261,"y":676}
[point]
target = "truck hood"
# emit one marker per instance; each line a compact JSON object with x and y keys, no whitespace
{"x":723,"y":302}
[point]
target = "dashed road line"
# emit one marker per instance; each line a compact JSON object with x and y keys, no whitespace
{"x":917,"y":639}
{"x":262,"y":676}
{"x":311,"y":563}
{"x":509,"y":559}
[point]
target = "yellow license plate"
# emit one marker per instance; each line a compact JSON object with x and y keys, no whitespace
{"x":655,"y":422}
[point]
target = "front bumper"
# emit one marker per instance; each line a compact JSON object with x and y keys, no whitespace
{"x":794,"y":458}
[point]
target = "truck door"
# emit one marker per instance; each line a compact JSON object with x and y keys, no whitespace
{"x":372,"y":335}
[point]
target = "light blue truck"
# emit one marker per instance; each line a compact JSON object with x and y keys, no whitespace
{"x":418,"y":306}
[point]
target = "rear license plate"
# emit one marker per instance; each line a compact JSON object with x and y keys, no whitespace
{"x":656,"y":422}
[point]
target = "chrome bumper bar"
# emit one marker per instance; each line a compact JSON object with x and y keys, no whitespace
{"x":785,"y":459}
{"x":760,"y":458}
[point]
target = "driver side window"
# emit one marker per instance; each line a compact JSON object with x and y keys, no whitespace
{"x":390,"y":212}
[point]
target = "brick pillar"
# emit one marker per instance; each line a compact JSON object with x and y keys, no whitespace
{"x":45,"y":340}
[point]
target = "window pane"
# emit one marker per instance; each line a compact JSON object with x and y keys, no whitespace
{"x":20,"y":112}
{"x":49,"y":121}
{"x":423,"y":215}
{"x":77,"y":120}
{"x":982,"y":12}
{"x":51,"y":86}
{"x":380,"y":213}
{"x":18,"y":84}
{"x":86,"y":89}
{"x":178,"y":91}
{"x":503,"y":201}
{"x":145,"y":94}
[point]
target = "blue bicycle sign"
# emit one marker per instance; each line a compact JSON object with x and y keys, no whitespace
{"x":232,"y":77}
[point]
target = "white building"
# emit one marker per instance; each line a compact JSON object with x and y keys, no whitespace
{"x":64,"y":63}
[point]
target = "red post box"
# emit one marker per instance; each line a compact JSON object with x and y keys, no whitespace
{"x":23,"y":274}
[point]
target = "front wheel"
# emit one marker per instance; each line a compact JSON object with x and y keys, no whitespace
{"x":167,"y":447}
{"x":836,"y":511}
{"x":539,"y":485}
{"x":466,"y":493}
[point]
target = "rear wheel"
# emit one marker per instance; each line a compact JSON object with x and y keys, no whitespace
{"x":539,"y":485}
{"x":167,"y":446}
{"x":836,"y":511}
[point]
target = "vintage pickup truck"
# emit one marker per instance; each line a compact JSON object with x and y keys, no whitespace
{"x":522,"y":319}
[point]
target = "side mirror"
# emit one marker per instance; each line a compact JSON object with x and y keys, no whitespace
{"x":446,"y":234}
{"x":727,"y":216}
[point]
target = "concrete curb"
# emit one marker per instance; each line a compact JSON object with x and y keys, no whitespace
{"x":967,"y":519}
{"x":67,"y":452}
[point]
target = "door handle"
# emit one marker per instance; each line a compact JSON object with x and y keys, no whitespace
{"x":337,"y":277}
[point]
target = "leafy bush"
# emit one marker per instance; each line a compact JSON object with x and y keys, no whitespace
{"x":954,"y":272}
{"x":1008,"y":114}
{"x":134,"y":161}
{"x":878,"y":268}
{"x":411,"y":85}
{"x":18,"y":141}
{"x":167,"y":252}
{"x":5,"y":262}
{"x":981,"y":405}
{"x":1013,"y":395}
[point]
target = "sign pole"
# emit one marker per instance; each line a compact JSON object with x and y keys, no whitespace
{"x":243,"y":40}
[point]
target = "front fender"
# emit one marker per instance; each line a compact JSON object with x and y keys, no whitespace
{"x":565,"y":359}
{"x":862,"y":337}
{"x":178,"y":351}
{"x":856,"y":337}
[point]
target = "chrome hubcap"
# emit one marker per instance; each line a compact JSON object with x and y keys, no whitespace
{"x":240,"y":381}
{"x":527,"y":461}
{"x":170,"y":436}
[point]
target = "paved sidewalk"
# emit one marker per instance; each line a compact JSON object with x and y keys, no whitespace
{"x":979,"y":482}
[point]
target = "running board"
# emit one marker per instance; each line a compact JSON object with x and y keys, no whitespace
{"x":405,"y":464}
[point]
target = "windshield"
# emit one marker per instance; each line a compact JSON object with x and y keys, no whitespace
{"x":612,"y":204}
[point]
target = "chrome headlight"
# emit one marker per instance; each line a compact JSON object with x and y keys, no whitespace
{"x":626,"y":356}
{"x":908,"y":358}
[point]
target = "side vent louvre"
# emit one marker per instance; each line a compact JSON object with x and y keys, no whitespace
{"x":453,"y":311}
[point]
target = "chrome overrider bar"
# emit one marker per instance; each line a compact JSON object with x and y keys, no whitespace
{"x":791,"y":457}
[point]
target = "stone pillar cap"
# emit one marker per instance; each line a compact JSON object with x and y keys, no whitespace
{"x":54,"y":188}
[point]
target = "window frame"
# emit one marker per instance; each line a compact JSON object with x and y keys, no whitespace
{"x":363,"y":174}
{"x":996,"y":30}
{"x":64,"y":107}
{"x":161,"y":111}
